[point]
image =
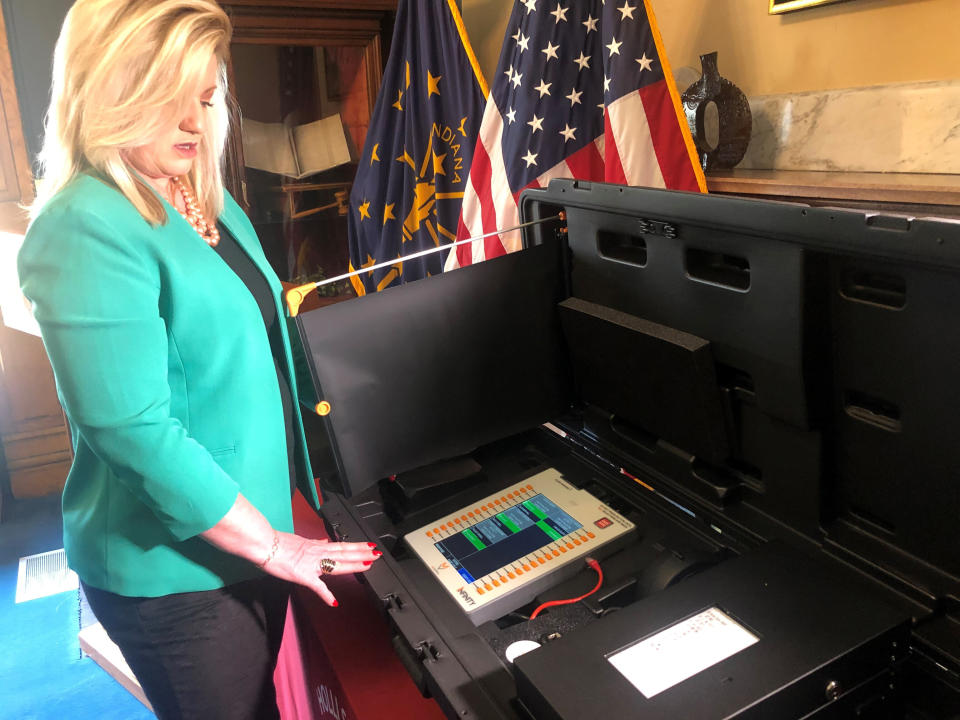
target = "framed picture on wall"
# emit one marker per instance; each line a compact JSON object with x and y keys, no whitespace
{"x":782,"y":6}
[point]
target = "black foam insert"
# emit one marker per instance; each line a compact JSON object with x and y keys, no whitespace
{"x":655,"y":377}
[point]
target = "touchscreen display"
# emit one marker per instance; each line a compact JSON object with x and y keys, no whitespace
{"x":506,"y":537}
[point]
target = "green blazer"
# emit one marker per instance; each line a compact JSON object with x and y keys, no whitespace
{"x":164,"y":370}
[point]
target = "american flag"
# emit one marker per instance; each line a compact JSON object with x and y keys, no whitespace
{"x":582,"y":90}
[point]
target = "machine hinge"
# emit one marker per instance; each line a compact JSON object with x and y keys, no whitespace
{"x":427,"y":651}
{"x":657,"y":227}
{"x":392,"y":601}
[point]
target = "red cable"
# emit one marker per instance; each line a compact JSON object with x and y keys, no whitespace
{"x":592,"y":563}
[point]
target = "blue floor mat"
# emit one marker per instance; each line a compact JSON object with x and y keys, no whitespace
{"x":42,"y":672}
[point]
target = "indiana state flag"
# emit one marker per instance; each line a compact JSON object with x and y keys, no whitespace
{"x":413,"y":172}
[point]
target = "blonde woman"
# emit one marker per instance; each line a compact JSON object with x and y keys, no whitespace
{"x":163,"y":322}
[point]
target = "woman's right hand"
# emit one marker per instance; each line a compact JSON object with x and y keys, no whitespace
{"x":306,"y":562}
{"x":244,"y":531}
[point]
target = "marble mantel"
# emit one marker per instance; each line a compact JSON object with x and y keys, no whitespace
{"x":906,"y":128}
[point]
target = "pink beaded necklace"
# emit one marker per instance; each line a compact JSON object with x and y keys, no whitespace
{"x":208,"y":231}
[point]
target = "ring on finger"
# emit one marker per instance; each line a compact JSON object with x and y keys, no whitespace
{"x":327,"y":566}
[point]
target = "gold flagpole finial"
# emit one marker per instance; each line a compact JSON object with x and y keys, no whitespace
{"x":295,"y":297}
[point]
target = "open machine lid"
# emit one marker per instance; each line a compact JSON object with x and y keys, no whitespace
{"x":430,"y":370}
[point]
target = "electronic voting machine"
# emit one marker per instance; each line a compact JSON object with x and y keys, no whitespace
{"x":683,"y":456}
{"x":512,"y":545}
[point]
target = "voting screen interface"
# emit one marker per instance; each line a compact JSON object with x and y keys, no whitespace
{"x":506,"y":537}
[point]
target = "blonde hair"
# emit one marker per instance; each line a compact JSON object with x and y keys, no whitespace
{"x":122,"y":71}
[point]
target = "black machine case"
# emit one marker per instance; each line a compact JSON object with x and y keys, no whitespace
{"x":769,"y":392}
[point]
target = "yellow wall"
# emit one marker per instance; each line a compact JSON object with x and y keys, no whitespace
{"x":849,"y":44}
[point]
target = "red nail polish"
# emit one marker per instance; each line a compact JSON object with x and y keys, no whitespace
{"x":368,"y":562}
{"x":377,"y":553}
{"x":371,"y":544}
{"x":336,"y":604}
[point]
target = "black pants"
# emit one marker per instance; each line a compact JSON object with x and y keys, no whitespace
{"x":204,"y":654}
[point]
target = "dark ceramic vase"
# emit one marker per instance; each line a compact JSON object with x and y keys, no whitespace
{"x":733,"y":112}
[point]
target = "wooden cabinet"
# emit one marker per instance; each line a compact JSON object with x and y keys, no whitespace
{"x":295,"y":62}
{"x":36,"y":443}
{"x":33,"y":433}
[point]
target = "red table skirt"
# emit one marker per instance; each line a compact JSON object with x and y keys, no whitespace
{"x":338,"y":662}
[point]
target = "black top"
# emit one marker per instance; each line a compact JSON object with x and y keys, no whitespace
{"x":238,"y":261}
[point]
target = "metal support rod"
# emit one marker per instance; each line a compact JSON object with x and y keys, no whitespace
{"x":296,"y":295}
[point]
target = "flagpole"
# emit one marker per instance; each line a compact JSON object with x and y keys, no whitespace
{"x":295,"y":296}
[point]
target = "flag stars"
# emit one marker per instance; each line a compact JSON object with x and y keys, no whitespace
{"x":398,"y":105}
{"x":523,"y":42}
{"x":517,"y":77}
{"x":530,"y":158}
{"x":364,"y":210}
{"x":536,"y":124}
{"x":568,"y":132}
{"x":583,"y":61}
{"x":511,"y":116}
{"x":574,"y":97}
{"x":373,"y":154}
{"x":543,"y":88}
{"x":590,"y":23}
{"x":626,"y":11}
{"x":433,"y":84}
{"x":560,"y":14}
{"x":645,"y":62}
{"x":606,"y":83}
{"x":531,"y":5}
{"x":405,"y":158}
{"x":550,"y":51}
{"x":509,"y":74}
{"x":614,"y":47}
{"x":388,"y":213}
